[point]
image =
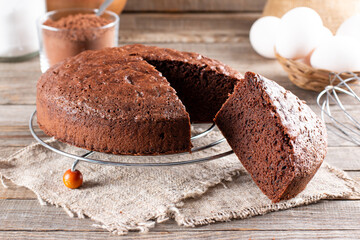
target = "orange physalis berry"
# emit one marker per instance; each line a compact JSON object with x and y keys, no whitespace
{"x":73,"y":179}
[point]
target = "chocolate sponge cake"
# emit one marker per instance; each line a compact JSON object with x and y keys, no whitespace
{"x":119,"y":100}
{"x":277,"y":137}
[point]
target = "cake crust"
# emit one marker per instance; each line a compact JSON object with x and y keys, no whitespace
{"x":111,"y":102}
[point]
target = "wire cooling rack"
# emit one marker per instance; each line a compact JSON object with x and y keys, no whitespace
{"x":86,"y":156}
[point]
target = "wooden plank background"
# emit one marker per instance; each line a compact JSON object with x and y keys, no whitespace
{"x":195,"y":5}
{"x":215,"y":28}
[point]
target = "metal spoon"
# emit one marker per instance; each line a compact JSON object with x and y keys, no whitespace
{"x":103,"y":6}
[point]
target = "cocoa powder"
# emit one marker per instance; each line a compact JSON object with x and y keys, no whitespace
{"x":73,"y":34}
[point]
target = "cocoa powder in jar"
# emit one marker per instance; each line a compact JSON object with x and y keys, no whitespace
{"x":73,"y":34}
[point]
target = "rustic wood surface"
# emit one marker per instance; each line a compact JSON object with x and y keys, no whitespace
{"x":220,"y":33}
{"x":194,"y":5}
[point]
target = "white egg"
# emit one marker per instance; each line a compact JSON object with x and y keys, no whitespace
{"x":302,"y":15}
{"x":351,"y":27}
{"x":298,"y":42}
{"x":340,"y":53}
{"x":263,"y":35}
{"x":300,"y":32}
{"x":326,"y":34}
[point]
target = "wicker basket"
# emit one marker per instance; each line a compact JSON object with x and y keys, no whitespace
{"x":307,"y":77}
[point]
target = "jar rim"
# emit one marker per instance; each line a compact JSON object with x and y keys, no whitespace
{"x":47,"y":15}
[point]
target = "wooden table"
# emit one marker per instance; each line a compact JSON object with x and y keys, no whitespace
{"x":220,"y":33}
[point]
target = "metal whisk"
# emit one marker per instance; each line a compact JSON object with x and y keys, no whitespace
{"x":330,"y":100}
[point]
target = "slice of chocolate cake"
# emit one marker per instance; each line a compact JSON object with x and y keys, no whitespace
{"x":277,"y":137}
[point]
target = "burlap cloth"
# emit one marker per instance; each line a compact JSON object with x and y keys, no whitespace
{"x":120,"y":199}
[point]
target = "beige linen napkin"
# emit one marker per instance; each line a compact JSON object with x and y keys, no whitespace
{"x":120,"y":199}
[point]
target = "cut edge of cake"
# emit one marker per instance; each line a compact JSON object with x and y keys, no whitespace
{"x":301,"y":133}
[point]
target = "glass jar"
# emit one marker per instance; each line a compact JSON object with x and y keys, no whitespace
{"x":56,"y":44}
{"x":18,"y":35}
